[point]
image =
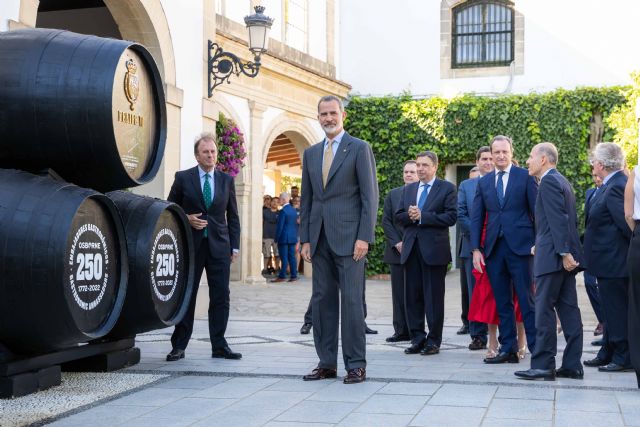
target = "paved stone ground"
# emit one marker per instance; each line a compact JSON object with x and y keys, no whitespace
{"x":453,"y":388}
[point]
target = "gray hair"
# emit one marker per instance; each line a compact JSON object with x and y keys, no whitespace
{"x":430,"y":154}
{"x":204,"y":136}
{"x":549,"y":151}
{"x":474,"y":169}
{"x":609,"y":155}
{"x":285,"y":196}
{"x":330,"y":98}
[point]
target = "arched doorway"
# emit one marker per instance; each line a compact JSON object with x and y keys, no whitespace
{"x":113,"y":18}
{"x":283,"y":166}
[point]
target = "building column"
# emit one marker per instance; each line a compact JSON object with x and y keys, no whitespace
{"x":250,"y":200}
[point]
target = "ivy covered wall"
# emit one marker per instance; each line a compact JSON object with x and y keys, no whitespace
{"x":399,"y":127}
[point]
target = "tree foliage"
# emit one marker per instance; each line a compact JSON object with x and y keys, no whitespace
{"x":399,"y":127}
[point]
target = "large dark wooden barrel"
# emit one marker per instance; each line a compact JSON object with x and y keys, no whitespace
{"x":161,"y":257}
{"x":90,"y":108}
{"x":63,"y":263}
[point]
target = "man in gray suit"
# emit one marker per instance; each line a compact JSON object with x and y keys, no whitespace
{"x":466,"y":193}
{"x":393,"y":232}
{"x":558,"y":257}
{"x":338,"y":213}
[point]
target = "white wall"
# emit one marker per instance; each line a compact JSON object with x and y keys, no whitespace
{"x":186,"y":26}
{"x":387,"y":49}
{"x":9,"y":9}
{"x":318,"y":29}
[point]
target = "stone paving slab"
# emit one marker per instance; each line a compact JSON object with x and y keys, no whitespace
{"x":453,"y":388}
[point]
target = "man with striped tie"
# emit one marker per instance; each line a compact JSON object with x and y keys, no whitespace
{"x":429,"y":207}
{"x":208,"y":197}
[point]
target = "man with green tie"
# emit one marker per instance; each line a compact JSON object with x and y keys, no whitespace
{"x":208,"y":197}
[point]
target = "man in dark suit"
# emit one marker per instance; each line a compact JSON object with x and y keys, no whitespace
{"x":590,"y":281}
{"x":466,"y":194}
{"x":338,"y":213}
{"x":557,"y":259}
{"x":208,"y":197}
{"x":507,"y":196}
{"x":393,"y":232}
{"x":287,"y":239}
{"x":606,"y":242}
{"x":427,"y":211}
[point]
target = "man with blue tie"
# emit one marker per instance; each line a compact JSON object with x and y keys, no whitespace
{"x":208,"y":197}
{"x":428,"y":209}
{"x":287,"y":239}
{"x":466,"y":194}
{"x":557,"y":259}
{"x":506,"y":197}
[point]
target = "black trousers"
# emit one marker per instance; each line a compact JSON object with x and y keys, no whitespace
{"x":614,"y":294}
{"x":633,"y":261}
{"x":557,"y":290}
{"x":400,"y":326}
{"x":464,"y":292}
{"x":424,"y":296}
{"x":308,"y":315}
{"x":218,"y":271}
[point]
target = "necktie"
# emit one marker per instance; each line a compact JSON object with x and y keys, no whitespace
{"x":500,"y":188}
{"x":423,"y":196}
{"x":326,"y":164}
{"x":206,"y":195}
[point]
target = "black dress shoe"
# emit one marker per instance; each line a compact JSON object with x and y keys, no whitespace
{"x":306,"y":328}
{"x":464,"y":330}
{"x":537,"y":374}
{"x":598,"y":343}
{"x":414,"y":348}
{"x":397,"y":338}
{"x":355,"y":376}
{"x":596,"y":361}
{"x":614,"y":367}
{"x":477,"y":344}
{"x":320,"y":374}
{"x":176,"y":354}
{"x":575,"y":374}
{"x":225,"y":353}
{"x":430,"y":350}
{"x":503,"y":358}
{"x":368,"y":330}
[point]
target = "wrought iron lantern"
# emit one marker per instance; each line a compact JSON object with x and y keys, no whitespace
{"x":223,"y":64}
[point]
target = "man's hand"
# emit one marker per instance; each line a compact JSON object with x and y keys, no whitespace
{"x":569,"y":263}
{"x":305,"y":252}
{"x":414,"y":213}
{"x":398,"y":247}
{"x":234,"y":256}
{"x":533,"y":250}
{"x":360,"y":250}
{"x":196,"y":222}
{"x":478,"y":260}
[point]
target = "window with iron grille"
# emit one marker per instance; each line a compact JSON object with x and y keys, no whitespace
{"x":482,"y":34}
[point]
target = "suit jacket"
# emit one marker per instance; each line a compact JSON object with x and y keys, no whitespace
{"x":556,"y":225}
{"x":515,"y":218}
{"x":607,"y":235}
{"x":286,"y":229}
{"x":347,"y":208}
{"x":223,"y":226}
{"x":466,"y":193}
{"x":393,"y":230}
{"x":432,"y":233}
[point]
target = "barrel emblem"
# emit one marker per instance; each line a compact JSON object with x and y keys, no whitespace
{"x":131,"y":84}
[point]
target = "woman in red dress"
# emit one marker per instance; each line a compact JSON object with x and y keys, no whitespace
{"x":482,"y":308}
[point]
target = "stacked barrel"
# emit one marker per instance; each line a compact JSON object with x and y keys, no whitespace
{"x":81,"y":115}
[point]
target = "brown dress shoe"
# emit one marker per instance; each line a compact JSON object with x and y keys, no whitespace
{"x":320,"y":374}
{"x":278,"y":280}
{"x":355,"y":376}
